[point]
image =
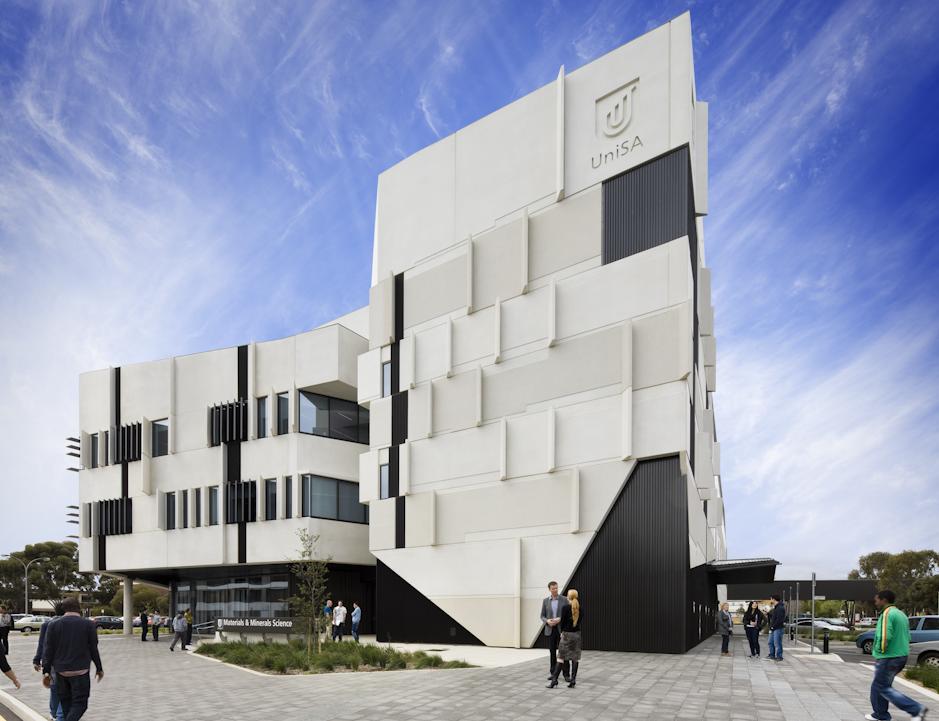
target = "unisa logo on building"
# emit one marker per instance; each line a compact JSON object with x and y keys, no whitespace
{"x":614,"y":113}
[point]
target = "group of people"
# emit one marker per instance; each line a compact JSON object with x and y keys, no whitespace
{"x":181,"y":625}
{"x":562,"y":617}
{"x":336,"y":615}
{"x":754,"y":619}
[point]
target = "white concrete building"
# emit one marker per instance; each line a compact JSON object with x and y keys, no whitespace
{"x":536,"y":368}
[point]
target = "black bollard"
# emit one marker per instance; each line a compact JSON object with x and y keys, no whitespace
{"x":825,"y":642}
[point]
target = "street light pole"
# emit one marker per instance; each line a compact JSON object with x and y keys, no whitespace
{"x":26,"y":578}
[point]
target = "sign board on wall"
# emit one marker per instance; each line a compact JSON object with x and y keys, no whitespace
{"x":261,"y":625}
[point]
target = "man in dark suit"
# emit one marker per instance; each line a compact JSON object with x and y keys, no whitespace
{"x":144,"y":620}
{"x":551,"y":609}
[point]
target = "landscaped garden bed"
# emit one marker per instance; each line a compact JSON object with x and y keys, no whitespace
{"x":926,"y":675}
{"x":292,"y":657}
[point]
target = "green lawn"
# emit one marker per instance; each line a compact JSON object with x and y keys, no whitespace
{"x":292,"y":657}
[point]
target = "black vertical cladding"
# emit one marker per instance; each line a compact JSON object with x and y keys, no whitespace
{"x":700,"y":606}
{"x":634,"y":573}
{"x":242,"y":371}
{"x":234,"y":455}
{"x":350,"y":584}
{"x":242,"y":542}
{"x":102,"y":553}
{"x":402,"y":613}
{"x":399,"y":521}
{"x":394,"y":471}
{"x":399,"y":418}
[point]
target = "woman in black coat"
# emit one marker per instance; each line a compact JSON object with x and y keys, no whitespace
{"x":572,"y":616}
{"x":753,"y":620}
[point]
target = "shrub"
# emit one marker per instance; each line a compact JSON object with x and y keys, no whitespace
{"x":926,"y":675}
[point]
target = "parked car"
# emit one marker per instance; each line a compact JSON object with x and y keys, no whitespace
{"x":108,"y":621}
{"x":28,"y":624}
{"x":867,"y":621}
{"x":925,"y":652}
{"x":821,"y":624}
{"x":923,"y":629}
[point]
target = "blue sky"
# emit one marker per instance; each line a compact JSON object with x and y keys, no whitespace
{"x":176,"y":177}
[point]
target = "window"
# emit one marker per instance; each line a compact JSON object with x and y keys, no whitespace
{"x":197,"y":521}
{"x":170,"y":511}
{"x":185,"y":501}
{"x":931,"y":623}
{"x":914,"y":623}
{"x":262,"y":417}
{"x":106,"y":446}
{"x":270,"y":499}
{"x":333,"y":418}
{"x":314,"y":414}
{"x":213,"y":506}
{"x":288,"y":497}
{"x":160,"y":438}
{"x":283,"y":413}
{"x":386,"y":379}
{"x":384,"y":480}
{"x":94,"y":450}
{"x":332,"y":499}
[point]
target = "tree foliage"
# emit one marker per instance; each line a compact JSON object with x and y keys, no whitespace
{"x":912,"y":575}
{"x":145,"y":597}
{"x":50,"y":578}
{"x":310,"y":573}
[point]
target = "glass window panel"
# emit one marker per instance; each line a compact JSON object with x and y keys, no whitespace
{"x":283,"y":413}
{"x":170,"y":511}
{"x":160,"y":438}
{"x":94,"y":450}
{"x":385,"y":379}
{"x":197,"y":521}
{"x":213,"y":506}
{"x":323,"y":497}
{"x":343,"y":420}
{"x":363,"y":425}
{"x":349,"y":507}
{"x":288,"y":497}
{"x":305,"y":489}
{"x":384,"y":478}
{"x":270,"y":499}
{"x":185,"y":501}
{"x":262,"y":417}
{"x":314,"y":414}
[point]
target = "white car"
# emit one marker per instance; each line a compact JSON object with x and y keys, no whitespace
{"x":821,"y":624}
{"x":27,"y":624}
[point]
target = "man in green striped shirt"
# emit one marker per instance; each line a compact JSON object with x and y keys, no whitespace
{"x":891,"y":649}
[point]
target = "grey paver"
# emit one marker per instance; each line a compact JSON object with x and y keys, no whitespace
{"x":697,"y":685}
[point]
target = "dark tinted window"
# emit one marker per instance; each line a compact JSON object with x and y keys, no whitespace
{"x":349,"y":507}
{"x":213,"y":506}
{"x":184,"y":499}
{"x":160,"y":438}
{"x":262,"y":417}
{"x":343,"y":420}
{"x":931,"y":623}
{"x":94,"y":450}
{"x":914,"y":623}
{"x":197,"y":520}
{"x":288,"y":497}
{"x":283,"y":413}
{"x":314,"y":414}
{"x":270,"y":499}
{"x":363,"y":425}
{"x":170,"y":511}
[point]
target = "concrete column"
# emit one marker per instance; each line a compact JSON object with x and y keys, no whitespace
{"x":128,"y":606}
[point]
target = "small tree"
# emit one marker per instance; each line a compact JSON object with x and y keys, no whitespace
{"x":311,"y":573}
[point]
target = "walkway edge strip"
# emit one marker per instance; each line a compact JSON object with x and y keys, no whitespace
{"x":14,"y":704}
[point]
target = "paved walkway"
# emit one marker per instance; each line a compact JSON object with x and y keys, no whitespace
{"x":147,"y":681}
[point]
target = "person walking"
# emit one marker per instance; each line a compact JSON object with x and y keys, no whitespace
{"x":570,"y":645}
{"x":891,"y":649}
{"x":7,"y":671}
{"x":6,"y":625}
{"x":339,"y":621}
{"x":155,"y":620}
{"x":777,"y":622}
{"x":188,"y":617}
{"x":551,"y":609}
{"x":144,"y":621}
{"x":752,"y":623}
{"x":725,"y":626}
{"x":71,"y":647}
{"x":179,"y":631}
{"x":55,"y":707}
{"x":356,"y":619}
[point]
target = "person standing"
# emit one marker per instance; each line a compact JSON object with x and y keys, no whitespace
{"x":155,"y":620}
{"x":144,"y":621}
{"x":188,"y":617}
{"x":339,"y":621}
{"x":891,"y":649}
{"x":570,"y":645}
{"x":6,"y":625}
{"x":777,"y":622}
{"x":725,"y":626}
{"x":55,"y":707}
{"x":71,"y":647}
{"x":356,"y":619}
{"x":551,"y":609}
{"x":179,"y":631}
{"x":752,"y":623}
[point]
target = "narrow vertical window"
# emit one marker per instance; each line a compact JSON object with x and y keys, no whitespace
{"x":283,"y":413}
{"x":384,"y":480}
{"x":197,"y":498}
{"x":288,"y":497}
{"x":363,"y":425}
{"x":386,"y":379}
{"x":185,"y":501}
{"x":213,"y":506}
{"x":160,"y":438}
{"x":270,"y":499}
{"x":94,"y":450}
{"x":107,"y":447}
{"x":306,"y":482}
{"x":262,"y":417}
{"x":170,"y":511}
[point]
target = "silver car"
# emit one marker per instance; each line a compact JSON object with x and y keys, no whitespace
{"x":925,"y":652}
